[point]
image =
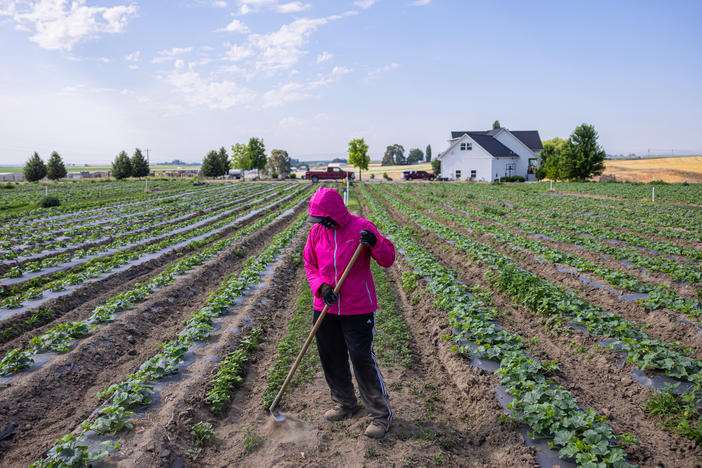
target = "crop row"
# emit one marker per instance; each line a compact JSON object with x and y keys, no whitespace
{"x":657,"y":219}
{"x":648,"y":221}
{"x":534,"y":223}
{"x":658,"y":296}
{"x":550,"y":410}
{"x":23,"y":243}
{"x":108,"y":211}
{"x":35,"y":288}
{"x":543,"y":298}
{"x":78,"y":192}
{"x":93,"y":199}
{"x":192,"y":218}
{"x":688,"y":193}
{"x":61,"y":338}
{"x":135,"y":390}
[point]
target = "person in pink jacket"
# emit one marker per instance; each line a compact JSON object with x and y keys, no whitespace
{"x":348,"y":328}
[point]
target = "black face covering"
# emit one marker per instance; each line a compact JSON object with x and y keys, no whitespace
{"x":328,"y":223}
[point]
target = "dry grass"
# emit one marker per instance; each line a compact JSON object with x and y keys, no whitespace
{"x":688,"y":169}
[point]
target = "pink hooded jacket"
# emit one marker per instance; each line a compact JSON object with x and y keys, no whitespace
{"x":328,"y":251}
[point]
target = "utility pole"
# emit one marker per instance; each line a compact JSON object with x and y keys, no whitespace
{"x":147,"y":175}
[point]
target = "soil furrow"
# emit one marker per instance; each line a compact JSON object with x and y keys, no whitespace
{"x":54,"y":399}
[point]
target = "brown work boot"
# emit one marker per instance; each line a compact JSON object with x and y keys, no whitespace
{"x":376,"y":430}
{"x":338,"y":412}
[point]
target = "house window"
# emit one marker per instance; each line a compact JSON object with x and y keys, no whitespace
{"x":458,"y":174}
{"x":466,"y":146}
{"x":473,"y":174}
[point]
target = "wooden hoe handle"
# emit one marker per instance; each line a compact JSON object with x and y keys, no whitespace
{"x":314,"y":331}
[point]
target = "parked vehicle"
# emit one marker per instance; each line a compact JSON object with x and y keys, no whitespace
{"x":330,"y":173}
{"x":422,"y":175}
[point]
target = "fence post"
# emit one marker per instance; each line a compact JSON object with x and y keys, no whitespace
{"x":653,"y":193}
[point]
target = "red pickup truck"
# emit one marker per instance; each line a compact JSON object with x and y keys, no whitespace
{"x":410,"y":175}
{"x":330,"y":173}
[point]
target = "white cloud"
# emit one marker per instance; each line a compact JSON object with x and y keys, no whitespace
{"x":282,"y":49}
{"x":324,"y":80}
{"x":284,"y":93}
{"x":133,"y":57}
{"x":235,"y":26}
{"x":254,"y":6}
{"x":171,"y":54}
{"x":83,"y":89}
{"x":364,"y":3}
{"x":324,"y":56}
{"x":60,"y":25}
{"x":289,"y":122}
{"x":219,"y":4}
{"x":207,"y":92}
{"x":420,"y":2}
{"x":374,"y":74}
{"x":292,"y":7}
{"x":294,"y":91}
{"x":238,"y":52}
{"x":133,"y":67}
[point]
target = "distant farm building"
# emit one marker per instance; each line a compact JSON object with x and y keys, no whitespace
{"x":492,"y":154}
{"x":11,"y":176}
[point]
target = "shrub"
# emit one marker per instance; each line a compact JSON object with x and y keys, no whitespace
{"x":7,"y":186}
{"x":292,"y":176}
{"x":49,"y":201}
{"x":372,"y":176}
{"x":274,"y":175}
{"x":514,"y":178}
{"x":386,"y":176}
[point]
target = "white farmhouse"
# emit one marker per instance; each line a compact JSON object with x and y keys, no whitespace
{"x":489,"y":155}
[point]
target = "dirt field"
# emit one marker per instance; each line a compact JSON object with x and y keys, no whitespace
{"x":447,"y":411}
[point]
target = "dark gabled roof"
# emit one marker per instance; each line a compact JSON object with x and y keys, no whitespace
{"x":455,"y":135}
{"x":530,"y":138}
{"x":492,"y":146}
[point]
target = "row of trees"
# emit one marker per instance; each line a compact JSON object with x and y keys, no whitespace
{"x":35,"y":169}
{"x":246,"y":157}
{"x":395,"y":155}
{"x":123,"y":166}
{"x":577,"y":158}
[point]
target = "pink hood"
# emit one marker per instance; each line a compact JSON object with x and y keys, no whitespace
{"x":328,"y":251}
{"x":328,"y":202}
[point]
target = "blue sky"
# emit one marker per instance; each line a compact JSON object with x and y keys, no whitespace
{"x":89,"y":78}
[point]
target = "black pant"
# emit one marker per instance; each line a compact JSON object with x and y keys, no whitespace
{"x":343,"y":336}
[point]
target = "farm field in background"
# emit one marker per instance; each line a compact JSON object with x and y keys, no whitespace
{"x":161,"y":324}
{"x":683,"y":169}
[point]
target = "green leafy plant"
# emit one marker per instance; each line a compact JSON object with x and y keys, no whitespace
{"x":204,"y":433}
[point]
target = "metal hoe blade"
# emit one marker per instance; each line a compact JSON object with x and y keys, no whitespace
{"x":277,"y":415}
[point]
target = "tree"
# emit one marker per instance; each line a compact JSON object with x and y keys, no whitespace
{"x":394,"y":154}
{"x":212,"y":165}
{"x":55,"y":168}
{"x":223,"y":160}
{"x":427,"y":153}
{"x":122,"y":166}
{"x":34,"y":169}
{"x":240,"y":159}
{"x":278,"y":163}
{"x":584,"y":157}
{"x":256,"y":153}
{"x":552,"y":164}
{"x":140,"y":166}
{"x":496,"y":125}
{"x":415,"y":155}
{"x":388,"y":159}
{"x":358,"y":155}
{"x":436,"y":167}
